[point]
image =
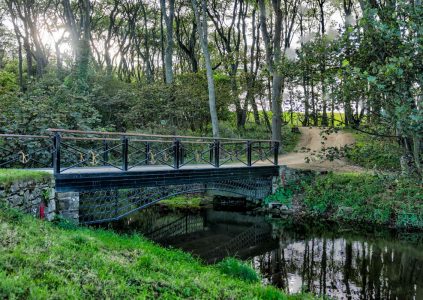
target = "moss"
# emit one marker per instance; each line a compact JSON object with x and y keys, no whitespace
{"x":183,"y":202}
{"x":40,"y":260}
{"x":8,"y":176}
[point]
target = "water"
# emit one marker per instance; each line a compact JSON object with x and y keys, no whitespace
{"x":323,"y":260}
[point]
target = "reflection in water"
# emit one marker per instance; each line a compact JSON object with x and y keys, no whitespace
{"x":338,"y":264}
{"x":344,"y":268}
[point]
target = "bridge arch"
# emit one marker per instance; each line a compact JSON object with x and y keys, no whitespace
{"x":114,"y":204}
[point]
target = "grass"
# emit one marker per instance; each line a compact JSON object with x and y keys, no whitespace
{"x":365,"y":198}
{"x":8,"y":176}
{"x":238,"y":269}
{"x":40,"y":260}
{"x":183,"y":202}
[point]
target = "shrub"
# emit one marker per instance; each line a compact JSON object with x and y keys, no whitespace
{"x":371,"y":152}
{"x":366,"y":198}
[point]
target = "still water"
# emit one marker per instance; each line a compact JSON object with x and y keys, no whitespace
{"x":321,"y":259}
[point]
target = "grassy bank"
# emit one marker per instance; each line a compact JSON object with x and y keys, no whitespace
{"x":365,"y":198}
{"x":40,"y":260}
{"x":8,"y":176}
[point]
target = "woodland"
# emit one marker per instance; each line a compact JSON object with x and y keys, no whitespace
{"x":217,"y":67}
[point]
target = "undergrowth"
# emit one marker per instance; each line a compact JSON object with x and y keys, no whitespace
{"x":366,"y":198}
{"x":372,"y":152}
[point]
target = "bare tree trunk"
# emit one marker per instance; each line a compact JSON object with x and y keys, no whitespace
{"x":323,"y":65}
{"x":84,"y":43}
{"x":271,"y":58}
{"x":201,"y":19}
{"x":169,"y":38}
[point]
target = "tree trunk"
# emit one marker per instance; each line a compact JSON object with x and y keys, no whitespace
{"x":169,"y":38}
{"x":84,"y":44}
{"x":202,"y":32}
{"x":271,"y":58}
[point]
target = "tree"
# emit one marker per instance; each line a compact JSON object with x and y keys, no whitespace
{"x":168,"y":18}
{"x":201,"y":19}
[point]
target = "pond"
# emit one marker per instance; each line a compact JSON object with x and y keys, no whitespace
{"x":295,"y":256}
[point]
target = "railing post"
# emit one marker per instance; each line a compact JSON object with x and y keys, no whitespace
{"x":216,"y":153}
{"x":249,"y":154}
{"x":176,"y":153}
{"x":56,"y":153}
{"x":275,"y":152}
{"x":211,"y":153}
{"x":181,"y":154}
{"x":124,"y":153}
{"x":105,"y":152}
{"x":147,"y":153}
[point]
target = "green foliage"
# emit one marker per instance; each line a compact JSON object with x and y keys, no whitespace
{"x":228,"y":129}
{"x":372,"y":152}
{"x":46,"y":104}
{"x":282,"y":195}
{"x":238,"y":269}
{"x":40,"y":260}
{"x":180,"y":107}
{"x":8,"y":176}
{"x":366,"y":198}
{"x":7,"y":82}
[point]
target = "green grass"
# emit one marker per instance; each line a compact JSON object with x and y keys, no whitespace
{"x":40,"y":260}
{"x":238,"y":269}
{"x":8,"y":176}
{"x":183,"y":202}
{"x":366,"y":198}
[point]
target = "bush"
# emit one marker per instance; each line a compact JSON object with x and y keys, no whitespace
{"x":371,"y":152}
{"x":366,"y":198}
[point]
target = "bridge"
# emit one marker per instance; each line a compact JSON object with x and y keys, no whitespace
{"x":105,"y":176}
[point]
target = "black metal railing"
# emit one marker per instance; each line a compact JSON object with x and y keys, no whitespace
{"x":64,"y":150}
{"x":25,"y":151}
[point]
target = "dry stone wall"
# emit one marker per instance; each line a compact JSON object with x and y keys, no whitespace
{"x":30,"y":195}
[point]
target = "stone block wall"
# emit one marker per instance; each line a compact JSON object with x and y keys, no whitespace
{"x":28,"y":195}
{"x":68,"y":206}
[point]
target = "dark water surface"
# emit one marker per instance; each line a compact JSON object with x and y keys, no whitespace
{"x":324,"y":260}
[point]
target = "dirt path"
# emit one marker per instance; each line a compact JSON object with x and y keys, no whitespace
{"x":311,"y":142}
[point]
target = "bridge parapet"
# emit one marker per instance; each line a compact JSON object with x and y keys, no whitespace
{"x":70,"y":150}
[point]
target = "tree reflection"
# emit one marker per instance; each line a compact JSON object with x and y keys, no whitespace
{"x":344,"y":268}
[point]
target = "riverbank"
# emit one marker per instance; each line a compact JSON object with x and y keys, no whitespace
{"x":9,"y":176}
{"x":40,"y":260}
{"x":357,"y":198}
